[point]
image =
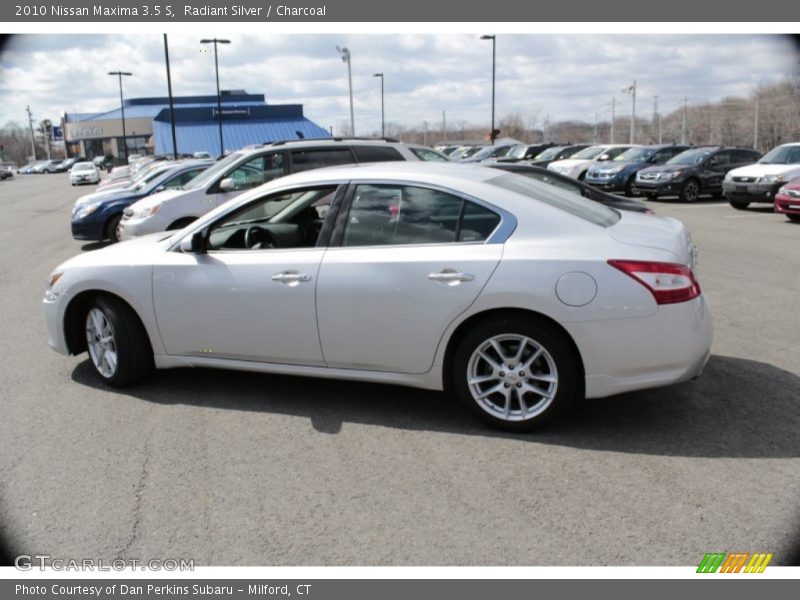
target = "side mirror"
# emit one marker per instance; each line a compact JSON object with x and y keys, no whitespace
{"x":194,"y":244}
{"x":160,"y":188}
{"x":604,"y":157}
{"x":227,"y":185}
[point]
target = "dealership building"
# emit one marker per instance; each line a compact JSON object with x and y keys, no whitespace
{"x":246,"y":119}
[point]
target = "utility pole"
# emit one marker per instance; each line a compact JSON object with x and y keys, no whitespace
{"x":683,"y":125}
{"x":755,"y":127}
{"x":33,"y":139}
{"x":171,"y":103}
{"x":595,"y":127}
{"x":546,"y":128}
{"x":655,"y":115}
{"x":345,"y":55}
{"x":631,"y":89}
{"x":444,"y":127}
{"x":46,"y":136}
{"x":425,"y":133}
{"x":613,"y":117}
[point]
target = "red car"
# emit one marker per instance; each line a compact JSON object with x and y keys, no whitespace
{"x":787,"y":201}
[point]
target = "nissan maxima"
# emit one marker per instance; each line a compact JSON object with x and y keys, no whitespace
{"x":515,"y":296}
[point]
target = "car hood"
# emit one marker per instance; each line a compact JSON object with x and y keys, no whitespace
{"x":134,"y":251}
{"x":666,"y":168}
{"x":654,"y":231}
{"x":761,"y":169}
{"x":571,"y":163}
{"x":157,"y":198}
{"x":104,"y":196}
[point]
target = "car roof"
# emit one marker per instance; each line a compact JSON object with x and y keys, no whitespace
{"x":419,"y":171}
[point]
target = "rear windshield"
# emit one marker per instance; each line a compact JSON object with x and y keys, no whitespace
{"x":576,"y":205}
{"x":549,"y":153}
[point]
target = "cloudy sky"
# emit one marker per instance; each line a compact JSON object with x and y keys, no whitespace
{"x":565,"y":76}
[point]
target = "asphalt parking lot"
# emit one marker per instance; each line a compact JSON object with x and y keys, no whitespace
{"x":244,"y":469}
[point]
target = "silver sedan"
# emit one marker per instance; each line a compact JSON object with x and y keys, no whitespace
{"x":513,"y":295}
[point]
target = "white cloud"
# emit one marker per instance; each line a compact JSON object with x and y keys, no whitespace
{"x":568,"y":76}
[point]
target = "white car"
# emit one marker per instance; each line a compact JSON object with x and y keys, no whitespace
{"x":577,"y":165}
{"x":517,"y":296}
{"x":761,"y":181}
{"x":84,"y":172}
{"x":252,"y":167}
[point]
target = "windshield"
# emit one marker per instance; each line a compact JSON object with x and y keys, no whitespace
{"x":590,"y":152}
{"x":782,"y":155}
{"x":690,"y":157}
{"x":576,"y":205}
{"x":211,"y":174}
{"x":549,"y":153}
{"x":488,"y":152}
{"x":635,"y":155}
{"x":518,"y":151}
{"x":83,"y":167}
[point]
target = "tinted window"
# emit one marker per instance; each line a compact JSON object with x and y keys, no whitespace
{"x":376,"y":153}
{"x":257,"y":170}
{"x":574,"y":204}
{"x":305,"y":160}
{"x":720,"y":159}
{"x":746,"y":156}
{"x":383,"y":215}
{"x":664,"y":155}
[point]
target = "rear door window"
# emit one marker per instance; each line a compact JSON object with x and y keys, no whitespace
{"x":376,"y":153}
{"x":386,"y":214}
{"x":316,"y":158}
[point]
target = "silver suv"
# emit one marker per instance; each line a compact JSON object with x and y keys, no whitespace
{"x":253,"y":166}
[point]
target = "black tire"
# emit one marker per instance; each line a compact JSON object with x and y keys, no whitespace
{"x":629,"y":186}
{"x":181,"y":223}
{"x":546,"y":336}
{"x":718,"y":195}
{"x":690,"y":190}
{"x":652,"y":196}
{"x":582,"y":176}
{"x":793,"y":218}
{"x":132,"y":346}
{"x":738,"y":204}
{"x":111,"y":228}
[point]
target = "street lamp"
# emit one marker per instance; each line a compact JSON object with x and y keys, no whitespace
{"x":215,"y":41}
{"x":120,"y":74}
{"x":383,"y":120}
{"x":492,"y":135}
{"x":346,"y":59}
{"x":631,"y":89}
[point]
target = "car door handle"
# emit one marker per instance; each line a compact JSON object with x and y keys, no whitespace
{"x":450,"y":277}
{"x":291,"y":279}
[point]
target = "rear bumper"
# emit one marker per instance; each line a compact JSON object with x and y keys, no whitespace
{"x":750,"y":192}
{"x":624,"y":355}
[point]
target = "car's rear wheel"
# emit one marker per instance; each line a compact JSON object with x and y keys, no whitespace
{"x":513,"y":373}
{"x":793,"y":218}
{"x":117,"y":343}
{"x":738,"y":204}
{"x":112,"y":228}
{"x":690,"y":190}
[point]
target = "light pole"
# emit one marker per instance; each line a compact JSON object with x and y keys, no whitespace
{"x":215,"y":41}
{"x":494,"y":55}
{"x":631,"y":89}
{"x":120,"y":74}
{"x":345,"y":53}
{"x":383,"y":120}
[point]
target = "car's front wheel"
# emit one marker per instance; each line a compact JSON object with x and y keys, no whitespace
{"x":117,"y":343}
{"x":515,"y":373}
{"x":112,"y":228}
{"x":738,"y":204}
{"x":690,"y":190}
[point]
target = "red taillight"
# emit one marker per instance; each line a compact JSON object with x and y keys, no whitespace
{"x":668,"y":282}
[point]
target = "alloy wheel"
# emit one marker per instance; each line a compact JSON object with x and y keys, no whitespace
{"x":512,"y":377}
{"x":101,"y":342}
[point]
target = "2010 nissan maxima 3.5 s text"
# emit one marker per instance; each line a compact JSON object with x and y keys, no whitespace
{"x":515,"y":295}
